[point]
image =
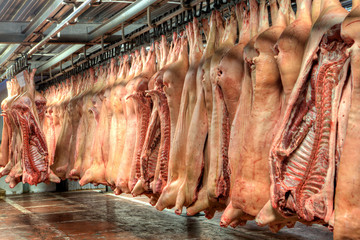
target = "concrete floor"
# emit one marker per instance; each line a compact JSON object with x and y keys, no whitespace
{"x":93,"y":215}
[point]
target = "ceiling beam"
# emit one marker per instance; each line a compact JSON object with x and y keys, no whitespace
{"x":11,"y":49}
{"x":77,"y":12}
{"x":192,"y":4}
{"x":39,"y":19}
{"x":124,"y":15}
{"x":56,"y":42}
{"x":11,"y":33}
{"x":64,"y":54}
{"x":8,"y":52}
{"x":45,"y":54}
{"x":8,"y":38}
{"x":111,"y":1}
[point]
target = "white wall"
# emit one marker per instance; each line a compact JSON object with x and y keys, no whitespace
{"x":74,"y":185}
{"x":18,"y":189}
{"x":24,"y":188}
{"x":42,"y":187}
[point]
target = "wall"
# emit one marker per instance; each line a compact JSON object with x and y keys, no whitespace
{"x":43,"y":187}
{"x":25,"y":188}
{"x":16,"y":190}
{"x":74,"y":185}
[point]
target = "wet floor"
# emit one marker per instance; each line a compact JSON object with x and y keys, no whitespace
{"x":94,"y":215}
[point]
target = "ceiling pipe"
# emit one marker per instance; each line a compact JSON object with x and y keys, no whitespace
{"x":194,"y":3}
{"x":185,"y":5}
{"x":28,"y":31}
{"x":83,"y":7}
{"x":110,"y":1}
{"x":121,"y":17}
{"x":126,"y":1}
{"x":148,"y":13}
{"x":45,"y":54}
{"x":39,"y":18}
{"x":64,"y":54}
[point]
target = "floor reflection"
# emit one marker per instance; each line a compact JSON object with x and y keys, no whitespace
{"x":193,"y":228}
{"x":93,"y":215}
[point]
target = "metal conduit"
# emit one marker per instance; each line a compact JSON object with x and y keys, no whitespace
{"x":85,"y":5}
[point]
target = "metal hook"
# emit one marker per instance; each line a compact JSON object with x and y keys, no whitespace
{"x":165,"y":27}
{"x":147,"y":37}
{"x":217,"y":4}
{"x":185,"y":5}
{"x":148,"y":12}
{"x":141,"y":39}
{"x":157,"y":32}
{"x":190,"y":16}
{"x":171,"y":24}
{"x":137,"y":41}
{"x":182,"y":18}
{"x":200,"y":10}
{"x":176,"y":20}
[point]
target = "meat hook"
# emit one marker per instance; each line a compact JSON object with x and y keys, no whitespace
{"x":147,"y":37}
{"x":150,"y":24}
{"x":176,"y":20}
{"x":185,"y":5}
{"x":167,"y":28}
{"x":190,"y":16}
{"x":157,"y":31}
{"x":171,"y":23}
{"x":217,"y":4}
{"x":208,"y":7}
{"x":200,"y":10}
{"x":182,"y":18}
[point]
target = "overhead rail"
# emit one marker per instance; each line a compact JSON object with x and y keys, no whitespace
{"x":20,"y":65}
{"x":121,"y":17}
{"x":77,"y":12}
{"x":174,"y":20}
{"x":178,"y":20}
{"x":128,"y":12}
{"x":165,"y":25}
{"x":64,"y":54}
{"x":37,"y":25}
{"x":12,"y":33}
{"x":142,"y":34}
{"x":124,"y":15}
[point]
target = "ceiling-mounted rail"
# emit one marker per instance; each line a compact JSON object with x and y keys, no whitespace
{"x":56,"y":7}
{"x":101,"y":58}
{"x":77,"y":12}
{"x":121,"y":17}
{"x":124,"y":15}
{"x":19,"y":65}
{"x":164,"y":24}
{"x":13,"y":70}
{"x":143,"y":36}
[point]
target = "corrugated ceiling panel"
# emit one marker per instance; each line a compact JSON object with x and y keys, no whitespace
{"x":99,"y":14}
{"x":20,"y":10}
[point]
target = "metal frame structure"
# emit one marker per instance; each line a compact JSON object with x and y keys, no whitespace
{"x":46,"y":28}
{"x":91,"y":30}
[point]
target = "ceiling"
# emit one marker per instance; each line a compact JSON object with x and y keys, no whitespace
{"x":25,"y":23}
{"x":57,"y":33}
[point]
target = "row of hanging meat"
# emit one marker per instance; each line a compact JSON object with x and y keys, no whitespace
{"x":261,"y":121}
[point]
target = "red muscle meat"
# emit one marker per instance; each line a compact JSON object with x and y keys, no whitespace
{"x":303,"y":154}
